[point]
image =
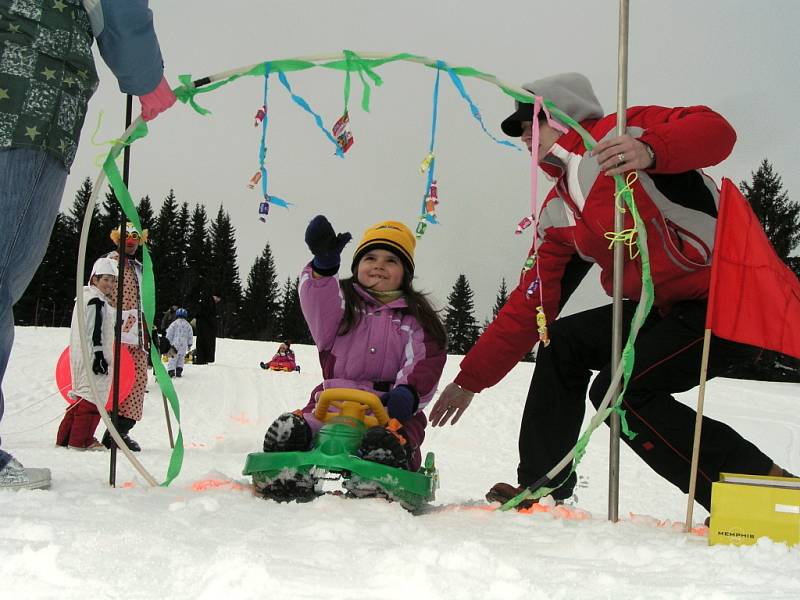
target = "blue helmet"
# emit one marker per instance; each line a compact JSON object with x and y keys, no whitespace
{"x":182,"y":313}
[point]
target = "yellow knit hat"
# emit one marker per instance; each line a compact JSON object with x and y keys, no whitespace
{"x":388,"y":235}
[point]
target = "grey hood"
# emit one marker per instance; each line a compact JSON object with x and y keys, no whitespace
{"x":570,"y":92}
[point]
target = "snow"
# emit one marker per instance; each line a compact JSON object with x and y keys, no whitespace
{"x":83,"y":538}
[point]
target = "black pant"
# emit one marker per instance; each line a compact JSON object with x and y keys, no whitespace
{"x":668,"y":351}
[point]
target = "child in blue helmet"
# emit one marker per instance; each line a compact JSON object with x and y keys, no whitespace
{"x":180,"y":336}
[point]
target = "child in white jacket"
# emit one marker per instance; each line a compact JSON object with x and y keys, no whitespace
{"x":180,"y":337}
{"x":80,"y":421}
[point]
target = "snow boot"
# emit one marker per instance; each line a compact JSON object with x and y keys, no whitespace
{"x":288,"y":433}
{"x":124,"y":425}
{"x":290,"y":485}
{"x":384,"y":446}
{"x":503,"y":492}
{"x":171,"y":373}
{"x":13,"y":476}
{"x":179,"y":372}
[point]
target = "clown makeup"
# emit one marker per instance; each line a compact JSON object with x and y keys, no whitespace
{"x":380,"y":271}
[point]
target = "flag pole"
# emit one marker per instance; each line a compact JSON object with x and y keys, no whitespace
{"x":619,"y":225}
{"x":698,"y":424}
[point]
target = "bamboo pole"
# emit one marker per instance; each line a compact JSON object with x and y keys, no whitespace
{"x":619,"y":265}
{"x":698,"y":424}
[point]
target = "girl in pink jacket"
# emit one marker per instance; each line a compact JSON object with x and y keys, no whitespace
{"x":374,"y":332}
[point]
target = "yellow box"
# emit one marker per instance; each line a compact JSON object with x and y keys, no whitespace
{"x":747,"y":507}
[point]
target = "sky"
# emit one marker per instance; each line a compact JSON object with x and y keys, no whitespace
{"x":735,"y":56}
{"x":206,"y":536}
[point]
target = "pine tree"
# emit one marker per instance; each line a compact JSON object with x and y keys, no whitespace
{"x":224,"y":273}
{"x":779,"y":216}
{"x":110,"y":213}
{"x":459,"y":321}
{"x":182,"y":228}
{"x":260,"y":308}
{"x":166,"y":252}
{"x":293,"y":324}
{"x":145,"y":211}
{"x":198,"y":257}
{"x":501,"y":299}
{"x":97,"y":242}
{"x":49,"y":298}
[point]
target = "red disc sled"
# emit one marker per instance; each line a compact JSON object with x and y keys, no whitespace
{"x":127,"y":375}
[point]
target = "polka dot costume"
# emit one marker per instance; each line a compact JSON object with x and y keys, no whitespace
{"x":133,"y":405}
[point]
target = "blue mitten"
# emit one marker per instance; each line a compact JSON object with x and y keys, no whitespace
{"x":325,"y":245}
{"x":401,"y":402}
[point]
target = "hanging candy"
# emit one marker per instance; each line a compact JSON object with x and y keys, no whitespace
{"x":541,"y":325}
{"x":532,"y":288}
{"x":431,"y":202}
{"x":260,"y":114}
{"x":529,"y":262}
{"x":254,"y":180}
{"x":421,"y":227}
{"x":523,"y":225}
{"x":341,"y":131}
{"x":263,"y":211}
{"x":426,"y":163}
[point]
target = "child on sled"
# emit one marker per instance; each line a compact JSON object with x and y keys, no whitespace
{"x":283,"y":360}
{"x":374,"y":332}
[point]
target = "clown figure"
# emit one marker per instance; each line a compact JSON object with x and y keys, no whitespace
{"x":134,"y":332}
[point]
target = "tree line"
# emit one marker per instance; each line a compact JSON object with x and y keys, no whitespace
{"x":194,"y":256}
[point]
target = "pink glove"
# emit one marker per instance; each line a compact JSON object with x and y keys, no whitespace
{"x":157,"y":101}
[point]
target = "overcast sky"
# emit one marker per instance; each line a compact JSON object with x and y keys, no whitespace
{"x":739,"y":57}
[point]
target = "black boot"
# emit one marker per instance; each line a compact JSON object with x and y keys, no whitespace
{"x":386,"y":447}
{"x":288,"y":433}
{"x":171,"y":373}
{"x":124,"y":425}
{"x":179,"y":372}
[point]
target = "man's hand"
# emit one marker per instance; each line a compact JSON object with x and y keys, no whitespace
{"x":453,"y":402}
{"x":622,"y":154}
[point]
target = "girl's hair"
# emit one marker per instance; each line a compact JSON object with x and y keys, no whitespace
{"x":418,"y":307}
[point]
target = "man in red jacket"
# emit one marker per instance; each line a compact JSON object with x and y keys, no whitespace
{"x":677,"y":203}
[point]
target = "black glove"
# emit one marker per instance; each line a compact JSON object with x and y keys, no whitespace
{"x":401,"y":403}
{"x":99,"y":365}
{"x":325,"y":245}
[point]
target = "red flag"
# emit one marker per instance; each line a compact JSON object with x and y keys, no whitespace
{"x":754,"y":298}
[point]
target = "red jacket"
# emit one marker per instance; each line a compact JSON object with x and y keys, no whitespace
{"x":677,"y":204}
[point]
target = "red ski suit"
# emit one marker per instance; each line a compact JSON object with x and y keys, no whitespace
{"x":679,"y":213}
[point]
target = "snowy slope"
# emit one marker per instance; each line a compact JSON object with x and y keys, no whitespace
{"x":83,"y":538}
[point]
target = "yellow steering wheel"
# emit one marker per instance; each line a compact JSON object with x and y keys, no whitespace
{"x":351,"y":403}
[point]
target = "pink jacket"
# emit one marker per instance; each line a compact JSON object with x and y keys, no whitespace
{"x":387,"y":347}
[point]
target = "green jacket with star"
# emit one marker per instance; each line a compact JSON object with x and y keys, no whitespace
{"x":47,"y":71}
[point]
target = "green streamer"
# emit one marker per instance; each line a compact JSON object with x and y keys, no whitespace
{"x":365,"y":67}
{"x":148,"y":294}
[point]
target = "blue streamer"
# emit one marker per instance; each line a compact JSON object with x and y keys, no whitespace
{"x":317,"y":119}
{"x":432,"y":167}
{"x":473,"y":108}
{"x":262,"y":151}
